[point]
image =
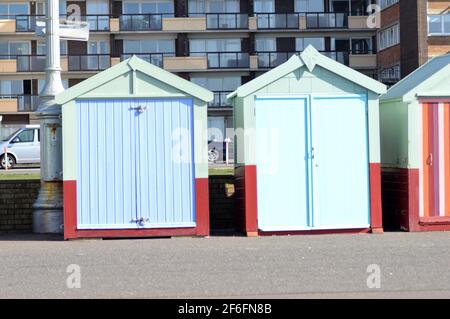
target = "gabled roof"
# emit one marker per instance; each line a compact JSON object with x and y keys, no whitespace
{"x":134,"y":64}
{"x":435,"y":70}
{"x":309,"y":58}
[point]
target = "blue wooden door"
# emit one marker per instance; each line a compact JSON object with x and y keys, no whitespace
{"x":165,"y":163}
{"x":128,"y":176}
{"x":340,"y":163}
{"x":281,"y":161}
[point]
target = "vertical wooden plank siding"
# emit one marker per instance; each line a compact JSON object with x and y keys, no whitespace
{"x":426,"y":152}
{"x":441,"y":187}
{"x":447,"y":157}
{"x":434,"y":181}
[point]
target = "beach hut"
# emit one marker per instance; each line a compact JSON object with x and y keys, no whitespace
{"x":135,"y":154}
{"x":308,"y":149}
{"x":415,"y":149}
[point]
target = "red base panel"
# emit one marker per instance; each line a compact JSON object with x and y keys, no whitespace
{"x":401,"y":203}
{"x":70,"y":218}
{"x":247,"y":208}
{"x":316,"y":232}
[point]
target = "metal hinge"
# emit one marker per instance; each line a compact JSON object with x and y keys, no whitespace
{"x":141,"y":221}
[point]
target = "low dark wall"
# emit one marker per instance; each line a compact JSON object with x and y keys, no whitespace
{"x":221,"y":202}
{"x":16,"y":201}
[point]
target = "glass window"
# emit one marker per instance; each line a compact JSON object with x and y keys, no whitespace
{"x":4,"y":49}
{"x":434,"y":24}
{"x":18,"y":9}
{"x":130,"y":8}
{"x":215,"y":45}
{"x":447,"y":23}
{"x":3,"y":11}
{"x":131,"y":46}
{"x":19,"y":48}
{"x":264,"y":6}
{"x":309,"y":6}
{"x":265,"y":44}
{"x":302,"y":43}
{"x":25,"y":136}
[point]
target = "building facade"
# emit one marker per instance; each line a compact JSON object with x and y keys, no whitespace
{"x":411,"y":32}
{"x":218,"y":44}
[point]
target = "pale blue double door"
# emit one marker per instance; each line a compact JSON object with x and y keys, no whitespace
{"x":135,"y":164}
{"x":312,"y":163}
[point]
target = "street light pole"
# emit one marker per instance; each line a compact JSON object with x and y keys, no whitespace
{"x":48,"y":208}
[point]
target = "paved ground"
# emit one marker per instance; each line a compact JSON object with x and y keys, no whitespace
{"x":412,"y":265}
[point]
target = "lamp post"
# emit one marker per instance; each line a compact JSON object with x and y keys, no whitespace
{"x":48,"y":208}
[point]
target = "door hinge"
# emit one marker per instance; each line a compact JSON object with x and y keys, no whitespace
{"x":141,"y":221}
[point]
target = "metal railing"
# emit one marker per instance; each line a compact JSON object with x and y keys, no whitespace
{"x":142,"y":22}
{"x":272,"y":59}
{"x":97,"y":22}
{"x":25,"y":102}
{"x":226,"y":21}
{"x":27,"y":23}
{"x":27,"y":62}
{"x":89,"y":62}
{"x":153,"y":58}
{"x":220,"y":100}
{"x":326,"y":20}
{"x":225,"y":60}
{"x":277,"y":20}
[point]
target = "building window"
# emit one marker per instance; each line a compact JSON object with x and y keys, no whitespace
{"x":264,"y":6}
{"x":148,"y":7}
{"x":309,"y":6}
{"x":391,"y":74}
{"x":302,"y":43}
{"x":9,"y":10}
{"x":221,"y":87}
{"x":386,"y":3}
{"x":439,"y":24}
{"x":200,"y":7}
{"x":389,"y":37}
{"x":150,"y":50}
{"x":41,"y":48}
{"x":11,"y":87}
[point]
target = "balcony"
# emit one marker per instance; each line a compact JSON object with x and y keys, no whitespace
{"x":88,"y":62}
{"x":184,"y":24}
{"x":22,"y":63}
{"x":185,"y":63}
{"x":153,"y":58}
{"x":220,"y":100}
{"x":265,"y":21}
{"x":326,"y":20}
{"x":272,"y":59}
{"x":225,"y":60}
{"x":142,"y":22}
{"x":226,"y":21}
{"x":27,"y":23}
{"x":18,"y":103}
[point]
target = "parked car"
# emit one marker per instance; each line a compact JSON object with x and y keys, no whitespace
{"x":23,"y":147}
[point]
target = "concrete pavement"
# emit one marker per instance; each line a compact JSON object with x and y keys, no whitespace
{"x":412,"y":265}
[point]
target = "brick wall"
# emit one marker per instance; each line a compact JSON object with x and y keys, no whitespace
{"x":221,"y":202}
{"x":16,"y":200}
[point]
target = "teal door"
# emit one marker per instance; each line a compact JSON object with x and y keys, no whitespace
{"x":340,"y":163}
{"x":312,"y":163}
{"x":282,"y":168}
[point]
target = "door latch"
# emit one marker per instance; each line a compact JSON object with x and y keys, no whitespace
{"x":430,"y":159}
{"x":141,"y":221}
{"x":141,"y":109}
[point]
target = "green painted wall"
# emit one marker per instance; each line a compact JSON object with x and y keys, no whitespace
{"x":127,"y":86}
{"x":301,"y":81}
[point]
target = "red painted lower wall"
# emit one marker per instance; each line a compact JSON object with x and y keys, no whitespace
{"x":401,"y":202}
{"x":246,"y":199}
{"x":247,"y":207}
{"x":202,"y":218}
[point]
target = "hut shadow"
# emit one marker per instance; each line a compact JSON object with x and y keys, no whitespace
{"x":30,"y":237}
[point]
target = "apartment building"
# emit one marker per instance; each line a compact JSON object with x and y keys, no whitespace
{"x":219,"y":44}
{"x":411,"y":32}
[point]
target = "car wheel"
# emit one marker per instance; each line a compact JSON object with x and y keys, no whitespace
{"x":213,"y":155}
{"x":7,"y":161}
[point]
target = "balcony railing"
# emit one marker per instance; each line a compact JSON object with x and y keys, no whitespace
{"x":97,"y":22}
{"x":220,"y":100}
{"x":25,"y":102}
{"x":27,"y":23}
{"x":153,"y":58}
{"x":89,"y":62}
{"x":142,"y":22}
{"x":277,"y":20}
{"x":273,"y":59}
{"x":226,"y":21}
{"x":27,"y":63}
{"x":326,"y":20}
{"x":225,"y":60}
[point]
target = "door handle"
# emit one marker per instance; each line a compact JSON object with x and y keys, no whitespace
{"x":430,"y":159}
{"x":141,"y":221}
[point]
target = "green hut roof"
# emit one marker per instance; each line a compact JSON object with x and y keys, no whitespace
{"x":427,"y":80}
{"x":130,"y":65}
{"x":309,"y":58}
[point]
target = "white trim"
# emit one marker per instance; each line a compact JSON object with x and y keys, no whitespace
{"x":421,"y":163}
